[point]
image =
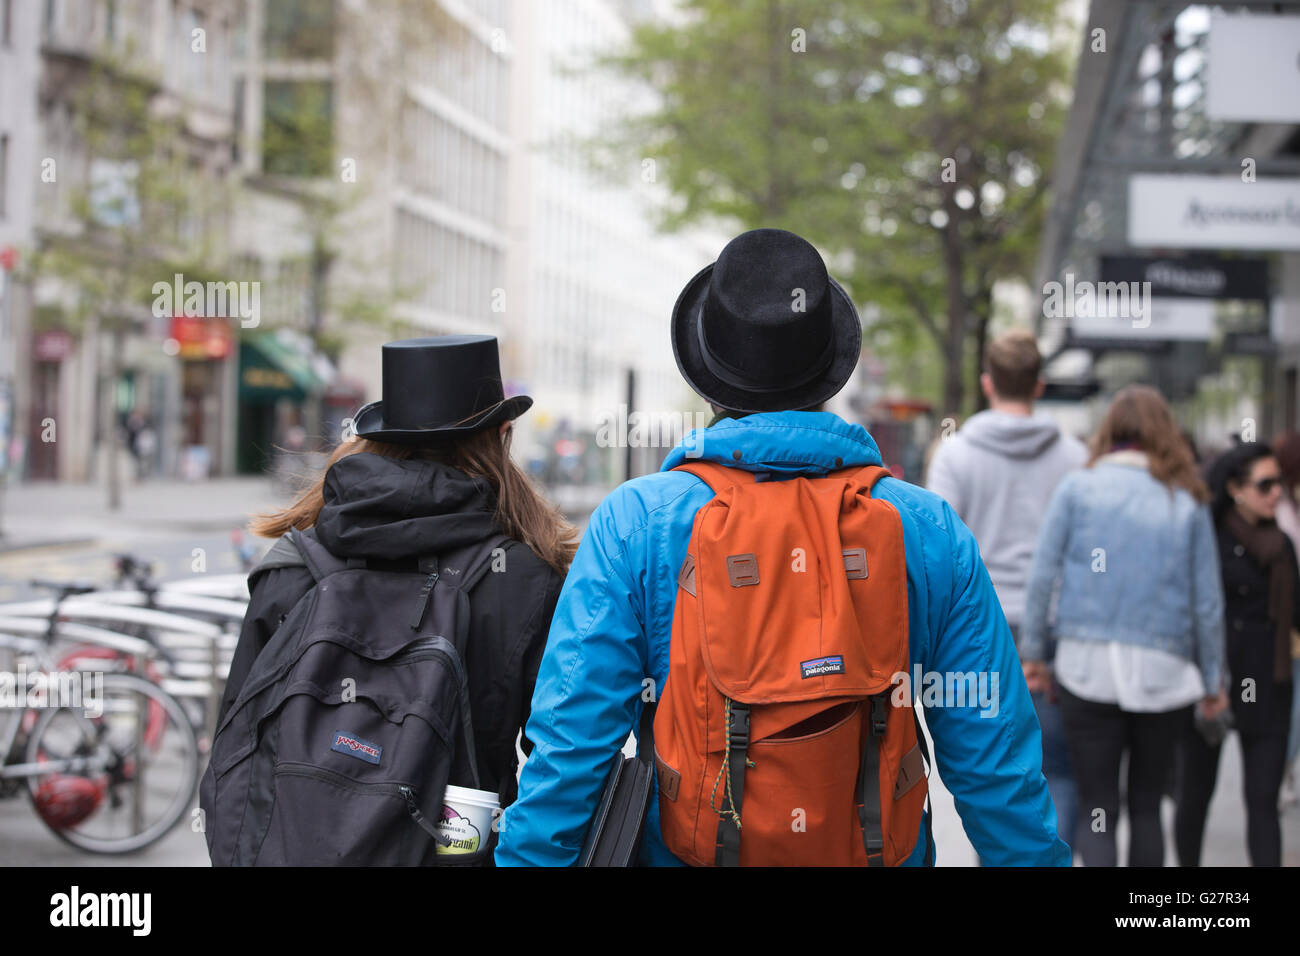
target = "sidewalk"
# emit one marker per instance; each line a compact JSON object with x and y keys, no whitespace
{"x":1225,"y":824}
{"x":41,"y":514}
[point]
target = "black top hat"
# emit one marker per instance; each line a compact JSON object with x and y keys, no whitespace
{"x":439,"y":387}
{"x":765,"y":328}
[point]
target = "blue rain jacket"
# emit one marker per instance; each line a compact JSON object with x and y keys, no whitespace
{"x":613,"y":622}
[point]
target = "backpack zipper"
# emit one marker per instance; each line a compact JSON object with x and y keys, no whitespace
{"x":402,"y":791}
{"x":431,"y":647}
{"x":413,"y":807}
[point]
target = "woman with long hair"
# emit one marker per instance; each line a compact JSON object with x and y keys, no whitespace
{"x":430,"y":473}
{"x":1261,"y":585}
{"x":1139,"y":621}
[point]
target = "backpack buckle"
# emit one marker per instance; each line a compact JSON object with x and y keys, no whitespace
{"x":742,"y":569}
{"x":855,"y":563}
{"x":879,"y":715}
{"x":738,"y":728}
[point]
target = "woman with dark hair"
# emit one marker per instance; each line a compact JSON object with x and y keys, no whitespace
{"x":1286,"y":447}
{"x":430,"y":473}
{"x":1139,"y":622}
{"x":1260,"y":586}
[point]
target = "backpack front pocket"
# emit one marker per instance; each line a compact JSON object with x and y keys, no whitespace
{"x":348,"y":819}
{"x":800,"y":795}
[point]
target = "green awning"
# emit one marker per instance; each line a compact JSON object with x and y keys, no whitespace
{"x":271,"y":369}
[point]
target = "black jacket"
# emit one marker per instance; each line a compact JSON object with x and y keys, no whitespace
{"x":382,"y":508}
{"x":1251,"y":639}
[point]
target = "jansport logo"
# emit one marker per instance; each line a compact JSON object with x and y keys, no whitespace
{"x":356,"y":747}
{"x":822,"y":666}
{"x":102,"y":909}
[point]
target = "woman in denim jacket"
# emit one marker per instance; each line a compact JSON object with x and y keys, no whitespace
{"x":1139,"y":619}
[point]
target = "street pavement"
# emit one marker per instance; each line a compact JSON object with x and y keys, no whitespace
{"x":1225,"y":827}
{"x":64,"y":531}
{"x":64,"y":514}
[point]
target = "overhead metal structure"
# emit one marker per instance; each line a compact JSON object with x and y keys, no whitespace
{"x":1139,"y":106}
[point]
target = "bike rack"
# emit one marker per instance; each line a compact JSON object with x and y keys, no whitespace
{"x":192,"y":626}
{"x":233,"y":587}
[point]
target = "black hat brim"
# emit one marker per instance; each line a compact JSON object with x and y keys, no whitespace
{"x":369,"y":423}
{"x":845,"y":327}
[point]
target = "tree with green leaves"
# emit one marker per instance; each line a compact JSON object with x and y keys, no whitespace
{"x":910,"y":141}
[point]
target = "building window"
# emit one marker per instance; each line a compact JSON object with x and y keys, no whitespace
{"x":300,"y":30}
{"x":298,"y":128}
{"x":7,"y":23}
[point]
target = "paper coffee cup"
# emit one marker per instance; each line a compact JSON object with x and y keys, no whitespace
{"x":466,"y":820}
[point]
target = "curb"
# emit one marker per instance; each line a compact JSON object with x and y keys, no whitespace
{"x":13,"y":547}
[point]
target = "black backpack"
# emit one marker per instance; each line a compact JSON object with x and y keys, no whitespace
{"x":353,"y":718}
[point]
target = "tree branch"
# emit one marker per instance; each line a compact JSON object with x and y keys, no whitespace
{"x":913,"y":296}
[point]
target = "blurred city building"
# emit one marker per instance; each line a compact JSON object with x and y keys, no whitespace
{"x":67,"y":199}
{"x":1180,"y":166}
{"x":382,"y":169}
{"x":454,"y":172}
{"x":20,"y":67}
{"x":592,"y":284}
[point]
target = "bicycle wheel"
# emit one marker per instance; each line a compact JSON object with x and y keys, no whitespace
{"x":135,"y":778}
{"x":88,"y":657}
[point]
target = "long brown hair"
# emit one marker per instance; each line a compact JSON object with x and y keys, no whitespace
{"x":521,"y":511}
{"x":1140,"y":416}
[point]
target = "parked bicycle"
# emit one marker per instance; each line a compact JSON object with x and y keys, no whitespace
{"x":112,"y":771}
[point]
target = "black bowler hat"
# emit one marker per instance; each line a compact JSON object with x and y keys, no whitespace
{"x":765,"y":328}
{"x":439,"y":387}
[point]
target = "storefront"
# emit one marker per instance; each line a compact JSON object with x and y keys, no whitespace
{"x":204,"y":346}
{"x":281,"y":382}
{"x":50,"y":349}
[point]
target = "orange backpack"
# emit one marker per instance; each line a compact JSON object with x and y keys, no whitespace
{"x":776,"y":739}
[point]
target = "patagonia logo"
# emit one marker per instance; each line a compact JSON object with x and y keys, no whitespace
{"x":822,"y":666}
{"x":356,"y":747}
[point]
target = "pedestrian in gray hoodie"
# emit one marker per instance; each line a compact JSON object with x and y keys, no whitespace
{"x":999,"y":472}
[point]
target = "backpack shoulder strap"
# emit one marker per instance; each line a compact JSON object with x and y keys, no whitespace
{"x":318,"y":559}
{"x":868,"y":475}
{"x":716,"y":476}
{"x":283,"y":554}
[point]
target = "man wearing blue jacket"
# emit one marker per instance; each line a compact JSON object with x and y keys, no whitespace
{"x":760,"y":332}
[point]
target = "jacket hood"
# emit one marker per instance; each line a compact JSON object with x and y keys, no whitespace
{"x":794,"y":442}
{"x":1016,"y":436}
{"x":381,"y":507}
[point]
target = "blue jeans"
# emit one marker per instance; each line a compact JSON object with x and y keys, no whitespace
{"x":1056,"y":756}
{"x":1056,"y":766}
